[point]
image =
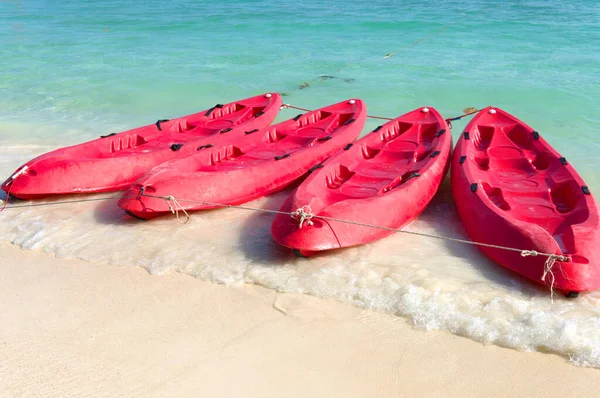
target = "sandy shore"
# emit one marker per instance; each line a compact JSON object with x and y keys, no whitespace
{"x":71,"y":328}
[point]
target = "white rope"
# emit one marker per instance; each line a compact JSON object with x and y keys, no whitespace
{"x":63,"y":202}
{"x":289,"y":106}
{"x":304,"y":214}
{"x":550,"y":261}
{"x":548,"y":270}
{"x":175,"y":209}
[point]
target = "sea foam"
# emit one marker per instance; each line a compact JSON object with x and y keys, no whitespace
{"x":436,"y":284}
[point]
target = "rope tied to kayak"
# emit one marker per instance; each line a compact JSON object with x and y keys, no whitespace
{"x":172,"y":202}
{"x":175,"y":207}
{"x":289,"y":106}
{"x":304,"y":215}
{"x":550,"y":261}
{"x":5,"y":201}
{"x":467,"y":112}
{"x":523,"y":253}
{"x":10,"y":184}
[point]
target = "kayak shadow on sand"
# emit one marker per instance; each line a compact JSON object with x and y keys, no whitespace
{"x":108,"y":213}
{"x":443,"y":206}
{"x":255,"y":234}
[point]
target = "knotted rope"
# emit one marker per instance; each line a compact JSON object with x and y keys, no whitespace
{"x":304,"y":214}
{"x":467,"y":112}
{"x":175,"y":206}
{"x":550,"y":261}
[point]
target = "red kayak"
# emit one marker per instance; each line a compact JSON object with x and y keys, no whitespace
{"x":234,"y":173}
{"x":386,"y":178}
{"x":113,"y":162}
{"x":513,"y":189}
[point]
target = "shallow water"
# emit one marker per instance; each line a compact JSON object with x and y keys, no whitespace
{"x":75,"y":70}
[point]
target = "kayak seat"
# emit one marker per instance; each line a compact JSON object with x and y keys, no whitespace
{"x":182,"y":127}
{"x":400,"y":180}
{"x":395,"y":130}
{"x":219,"y":124}
{"x":380,"y":171}
{"x":338,"y":175}
{"x":230,"y":115}
{"x":368,"y":152}
{"x":543,"y":160}
{"x":229,"y":109}
{"x":122,"y":142}
{"x":275,"y":136}
{"x":422,"y":153}
{"x":519,"y":136}
{"x":495,"y":196}
{"x":506,"y":161}
{"x":482,"y":163}
{"x":483,"y":136}
{"x":394,"y":156}
{"x":566,"y":196}
{"x":224,"y":153}
{"x":427,"y":133}
{"x":399,"y":145}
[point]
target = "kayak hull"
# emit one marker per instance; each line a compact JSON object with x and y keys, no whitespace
{"x":514,"y":190}
{"x":387,"y":178}
{"x":115,"y":161}
{"x":233,"y":174}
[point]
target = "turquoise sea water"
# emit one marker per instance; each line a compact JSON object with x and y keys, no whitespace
{"x":72,"y":70}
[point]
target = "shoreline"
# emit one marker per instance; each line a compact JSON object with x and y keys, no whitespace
{"x":68,"y":327}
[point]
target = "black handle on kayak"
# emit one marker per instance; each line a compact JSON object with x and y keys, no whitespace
{"x":208,"y":112}
{"x":315,"y":168}
{"x":158,"y":122}
{"x":412,"y":175}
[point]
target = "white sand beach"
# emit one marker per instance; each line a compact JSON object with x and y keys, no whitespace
{"x":72,"y":328}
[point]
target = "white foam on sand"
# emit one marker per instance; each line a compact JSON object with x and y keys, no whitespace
{"x":435,"y":284}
